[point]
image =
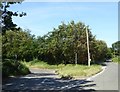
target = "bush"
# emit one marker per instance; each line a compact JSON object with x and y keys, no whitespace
{"x":13,"y":68}
{"x":116,"y":59}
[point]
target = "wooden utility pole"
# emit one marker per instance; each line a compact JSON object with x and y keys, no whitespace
{"x":88,"y":47}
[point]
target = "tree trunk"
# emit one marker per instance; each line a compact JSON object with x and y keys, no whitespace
{"x":76,"y":58}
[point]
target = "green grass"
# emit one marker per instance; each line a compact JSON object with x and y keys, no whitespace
{"x":13,"y":68}
{"x":76,"y":71}
{"x":80,"y":71}
{"x":116,"y":59}
{"x":42,"y":65}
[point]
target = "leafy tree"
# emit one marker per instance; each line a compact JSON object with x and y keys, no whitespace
{"x":18,"y":45}
{"x":6,"y":16}
{"x":64,"y":43}
{"x":116,"y":47}
{"x":100,"y":50}
{"x":109,"y":53}
{"x":11,"y":41}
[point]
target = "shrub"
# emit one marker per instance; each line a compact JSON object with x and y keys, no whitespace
{"x":13,"y":68}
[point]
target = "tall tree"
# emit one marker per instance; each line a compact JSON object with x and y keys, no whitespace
{"x":116,"y":47}
{"x":6,"y":16}
{"x":67,"y":44}
{"x":18,"y":45}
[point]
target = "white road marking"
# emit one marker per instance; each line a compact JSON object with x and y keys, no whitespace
{"x":47,"y":82}
{"x":103,"y":69}
{"x":44,"y":80}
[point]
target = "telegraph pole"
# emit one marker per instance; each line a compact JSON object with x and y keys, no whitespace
{"x":88,"y":47}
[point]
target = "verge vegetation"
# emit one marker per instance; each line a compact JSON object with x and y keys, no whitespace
{"x":116,"y":59}
{"x":13,"y":68}
{"x":75,"y":71}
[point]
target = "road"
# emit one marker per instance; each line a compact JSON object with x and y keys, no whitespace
{"x":48,"y":80}
{"x":108,"y":79}
{"x":40,"y":79}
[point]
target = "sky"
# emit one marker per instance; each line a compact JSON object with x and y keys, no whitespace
{"x":42,"y":17}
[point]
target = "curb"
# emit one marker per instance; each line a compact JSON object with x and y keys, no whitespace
{"x":103,"y":69}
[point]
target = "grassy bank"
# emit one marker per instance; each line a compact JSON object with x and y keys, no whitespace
{"x":80,"y":71}
{"x":13,"y":68}
{"x":67,"y":70}
{"x":42,"y":65}
{"x":116,"y":59}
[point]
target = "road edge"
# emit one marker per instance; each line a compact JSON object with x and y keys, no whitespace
{"x":103,"y":69}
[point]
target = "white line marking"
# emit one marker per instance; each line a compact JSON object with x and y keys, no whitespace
{"x":103,"y":69}
{"x":44,"y":80}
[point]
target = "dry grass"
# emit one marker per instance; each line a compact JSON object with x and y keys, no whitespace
{"x":80,"y":71}
{"x":75,"y":71}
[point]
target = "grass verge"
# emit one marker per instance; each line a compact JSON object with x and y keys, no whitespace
{"x":75,"y":71}
{"x":13,"y":68}
{"x":116,"y":59}
{"x":42,"y":65}
{"x":79,"y":71}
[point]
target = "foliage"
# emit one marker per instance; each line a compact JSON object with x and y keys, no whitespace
{"x":41,"y":64}
{"x":116,"y":59}
{"x":116,"y":48}
{"x":61,"y":45}
{"x":18,"y":45}
{"x":99,"y":50}
{"x":68,"y":70}
{"x":6,"y":16}
{"x":56,"y":47}
{"x":109,"y":53}
{"x":13,"y":68}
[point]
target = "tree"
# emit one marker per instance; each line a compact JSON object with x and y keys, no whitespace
{"x":101,"y":50}
{"x":6,"y":16}
{"x":116,"y":48}
{"x":11,"y":41}
{"x":67,"y":44}
{"x":18,"y":45}
{"x":109,"y":53}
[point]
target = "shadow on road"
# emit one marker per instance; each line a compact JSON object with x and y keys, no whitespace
{"x":46,"y":84}
{"x":40,"y":74}
{"x":102,"y":63}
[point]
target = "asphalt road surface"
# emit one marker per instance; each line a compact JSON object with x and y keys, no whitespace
{"x":47,"y":80}
{"x":107,"y":80}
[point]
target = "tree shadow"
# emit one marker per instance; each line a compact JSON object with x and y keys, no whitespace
{"x":40,"y":74}
{"x":102,"y":63}
{"x":44,"y":83}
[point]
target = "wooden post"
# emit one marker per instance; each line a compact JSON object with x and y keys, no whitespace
{"x":88,"y":47}
{"x":76,"y":58}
